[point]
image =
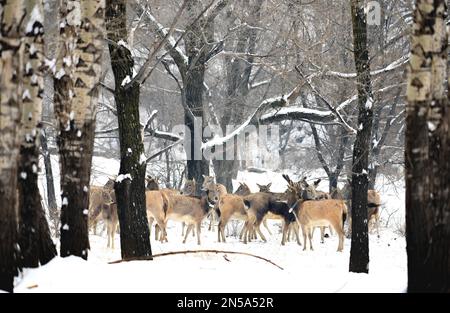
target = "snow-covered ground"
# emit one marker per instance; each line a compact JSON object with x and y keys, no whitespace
{"x":321,"y":270}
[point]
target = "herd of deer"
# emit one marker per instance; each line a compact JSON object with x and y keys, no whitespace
{"x":300,"y":206}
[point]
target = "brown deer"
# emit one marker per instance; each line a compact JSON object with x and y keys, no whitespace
{"x":102,"y":205}
{"x":228,"y":206}
{"x":322,"y":213}
{"x":191,"y":210}
{"x":242,"y":190}
{"x":373,"y":205}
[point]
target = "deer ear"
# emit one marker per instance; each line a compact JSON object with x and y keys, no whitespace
{"x":268,"y":186}
{"x":204,"y":176}
{"x":193,"y":180}
{"x":317,"y":182}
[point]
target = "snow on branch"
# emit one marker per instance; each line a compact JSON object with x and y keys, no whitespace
{"x":167,"y":40}
{"x":157,"y":133}
{"x":157,"y":154}
{"x":170,"y":44}
{"x":276,"y":102}
{"x":392,"y":66}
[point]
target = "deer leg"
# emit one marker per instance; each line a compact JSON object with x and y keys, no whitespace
{"x":183,"y":225}
{"x":322,"y":234}
{"x":296,"y":235}
{"x":113,"y":234}
{"x":259,"y":232}
{"x":285,"y":230}
{"x":187,"y":232}
{"x":310,"y":238}
{"x":377,"y":224}
{"x":198,"y":232}
{"x":304,"y":238}
{"x":267,"y":227}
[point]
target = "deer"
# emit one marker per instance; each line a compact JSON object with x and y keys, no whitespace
{"x":243,"y":190}
{"x":373,"y":205}
{"x":188,"y":189}
{"x":308,"y":192}
{"x":228,"y":206}
{"x":102,"y":204}
{"x":322,"y":213}
{"x":279,"y":196}
{"x":191,"y":210}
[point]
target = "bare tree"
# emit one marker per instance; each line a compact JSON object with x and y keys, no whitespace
{"x":359,"y":253}
{"x":130,"y":188}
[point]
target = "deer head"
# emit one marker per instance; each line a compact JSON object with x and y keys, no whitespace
{"x":243,"y":190}
{"x":208,"y":183}
{"x":189,"y":188}
{"x":152,"y":184}
{"x":264,"y":188}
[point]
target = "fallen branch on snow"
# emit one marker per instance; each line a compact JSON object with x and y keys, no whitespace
{"x":194,"y":251}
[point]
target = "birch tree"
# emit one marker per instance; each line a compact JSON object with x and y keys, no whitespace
{"x":427,"y":152}
{"x":36,"y":245}
{"x":76,"y":82}
{"x":11,"y":53}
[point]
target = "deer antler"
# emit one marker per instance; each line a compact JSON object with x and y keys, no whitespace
{"x":287,"y":178}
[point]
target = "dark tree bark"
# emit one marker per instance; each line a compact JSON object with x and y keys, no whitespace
{"x":341,"y":144}
{"x":427,"y":155}
{"x":51,"y":197}
{"x":191,"y":65}
{"x":238,"y":72}
{"x":359,"y":253}
{"x":130,"y":190}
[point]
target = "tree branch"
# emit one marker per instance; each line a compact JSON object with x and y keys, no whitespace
{"x":149,"y":258}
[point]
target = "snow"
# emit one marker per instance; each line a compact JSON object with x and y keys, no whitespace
{"x":122,"y":177}
{"x":321,"y":270}
{"x":60,"y":73}
{"x":36,"y":16}
{"x":369,"y":103}
{"x":170,"y":40}
{"x":125,"y":81}
{"x":142,"y":158}
{"x":123,"y":44}
{"x":26,"y":95}
{"x":431,"y":126}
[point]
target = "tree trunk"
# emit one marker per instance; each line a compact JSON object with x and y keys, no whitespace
{"x":130,"y":188}
{"x":238,"y":72}
{"x":30,"y":206}
{"x":76,"y":91}
{"x":359,"y":253}
{"x":11,"y":53}
{"x":197,"y":166}
{"x":51,"y":197}
{"x":427,"y":153}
